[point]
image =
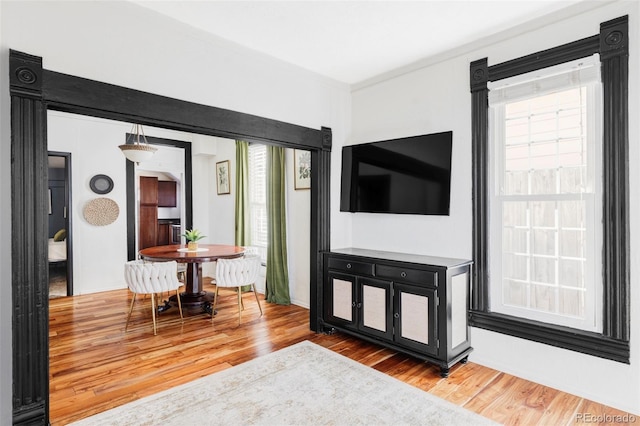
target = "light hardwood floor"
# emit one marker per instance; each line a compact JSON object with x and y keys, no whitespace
{"x":95,"y":365}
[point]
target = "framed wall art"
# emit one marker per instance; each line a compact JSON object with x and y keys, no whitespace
{"x":301,"y":169}
{"x":222,"y":177}
{"x":101,"y":184}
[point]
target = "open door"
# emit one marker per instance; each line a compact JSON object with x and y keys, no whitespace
{"x":59,"y":230}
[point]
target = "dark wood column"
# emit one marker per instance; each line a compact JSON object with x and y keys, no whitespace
{"x":320,"y":220}
{"x":479,"y":150}
{"x":614,"y":56}
{"x":29,"y":248}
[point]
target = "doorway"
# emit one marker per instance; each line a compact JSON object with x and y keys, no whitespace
{"x":35,"y":90}
{"x":60,"y":255}
{"x":185,"y":214}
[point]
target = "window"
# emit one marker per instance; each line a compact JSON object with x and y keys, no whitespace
{"x":258,"y":198}
{"x":545,"y":202}
{"x":544,"y":214}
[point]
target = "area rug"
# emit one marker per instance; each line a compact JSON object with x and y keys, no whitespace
{"x":304,"y":384}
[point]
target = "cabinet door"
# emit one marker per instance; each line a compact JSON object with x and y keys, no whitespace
{"x":163,"y":234}
{"x":340,"y":299}
{"x":375,"y":307}
{"x":167,"y":193}
{"x":149,"y":190}
{"x":415,"y":318}
{"x":148,"y":227}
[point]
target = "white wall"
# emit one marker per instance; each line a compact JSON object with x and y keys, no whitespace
{"x":124,"y":44}
{"x":221,"y":217}
{"x":437,"y":98}
{"x":6,"y":312}
{"x":298,"y":226}
{"x":418,"y":103}
{"x":99,"y":252}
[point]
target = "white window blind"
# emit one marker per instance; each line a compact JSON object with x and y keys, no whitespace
{"x":545,"y":210}
{"x":258,"y":198}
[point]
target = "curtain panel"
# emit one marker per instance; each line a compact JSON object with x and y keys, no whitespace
{"x":243,"y":223}
{"x":277,"y":275}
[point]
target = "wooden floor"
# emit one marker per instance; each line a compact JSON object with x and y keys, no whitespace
{"x":95,"y":365}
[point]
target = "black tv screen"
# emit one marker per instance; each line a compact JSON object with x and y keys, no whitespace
{"x":407,"y":176}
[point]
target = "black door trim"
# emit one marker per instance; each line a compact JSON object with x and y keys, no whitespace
{"x":34,"y":90}
{"x":131,"y":196}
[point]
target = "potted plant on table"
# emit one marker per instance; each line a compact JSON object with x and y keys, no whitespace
{"x":192,"y":236}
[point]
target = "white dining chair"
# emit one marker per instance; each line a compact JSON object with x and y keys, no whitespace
{"x":151,"y":278}
{"x":237,"y":273}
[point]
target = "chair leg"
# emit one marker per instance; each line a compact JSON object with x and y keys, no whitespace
{"x":179,"y":304}
{"x":257,"y":300}
{"x":133,"y":300}
{"x":215,"y":302}
{"x":153,"y":312}
{"x":239,"y":305}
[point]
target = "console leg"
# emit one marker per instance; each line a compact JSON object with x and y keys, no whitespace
{"x":328,"y":330}
{"x":464,"y":360}
{"x":444,"y":372}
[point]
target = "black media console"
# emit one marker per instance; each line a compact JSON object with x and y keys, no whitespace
{"x":410,"y":303}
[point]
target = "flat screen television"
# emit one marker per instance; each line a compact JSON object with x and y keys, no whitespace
{"x":409,"y":175}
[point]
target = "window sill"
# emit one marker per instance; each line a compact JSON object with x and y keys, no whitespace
{"x":562,"y":337}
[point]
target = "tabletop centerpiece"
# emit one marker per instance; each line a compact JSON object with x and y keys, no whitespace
{"x":192,"y":236}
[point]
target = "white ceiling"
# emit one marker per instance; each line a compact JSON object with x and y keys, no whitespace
{"x":352,"y":41}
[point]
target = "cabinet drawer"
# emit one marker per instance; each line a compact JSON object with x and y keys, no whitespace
{"x":350,"y":266}
{"x":407,"y":275}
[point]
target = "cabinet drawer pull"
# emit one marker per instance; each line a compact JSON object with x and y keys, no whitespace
{"x":351,"y":266}
{"x":353,"y":305}
{"x":402,"y":273}
{"x":396,"y":315}
{"x":359,"y":305}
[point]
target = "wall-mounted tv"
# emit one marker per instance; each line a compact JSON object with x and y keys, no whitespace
{"x":409,"y":175}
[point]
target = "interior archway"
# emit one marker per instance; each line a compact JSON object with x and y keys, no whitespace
{"x":34,"y":90}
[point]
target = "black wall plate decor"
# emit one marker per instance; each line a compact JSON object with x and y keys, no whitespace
{"x":101,"y":184}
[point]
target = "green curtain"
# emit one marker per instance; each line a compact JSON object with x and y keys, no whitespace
{"x":277,"y":275}
{"x":243,"y":222}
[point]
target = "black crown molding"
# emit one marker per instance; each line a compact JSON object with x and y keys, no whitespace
{"x":545,"y":58}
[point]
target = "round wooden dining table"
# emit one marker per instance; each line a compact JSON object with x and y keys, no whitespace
{"x":194,"y":294}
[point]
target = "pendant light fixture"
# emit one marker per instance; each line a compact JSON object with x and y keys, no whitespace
{"x":139,"y":150}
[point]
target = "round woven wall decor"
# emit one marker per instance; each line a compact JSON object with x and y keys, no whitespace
{"x":101,"y":211}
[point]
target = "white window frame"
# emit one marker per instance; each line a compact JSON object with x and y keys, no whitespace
{"x":258,"y":202}
{"x":591,"y":194}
